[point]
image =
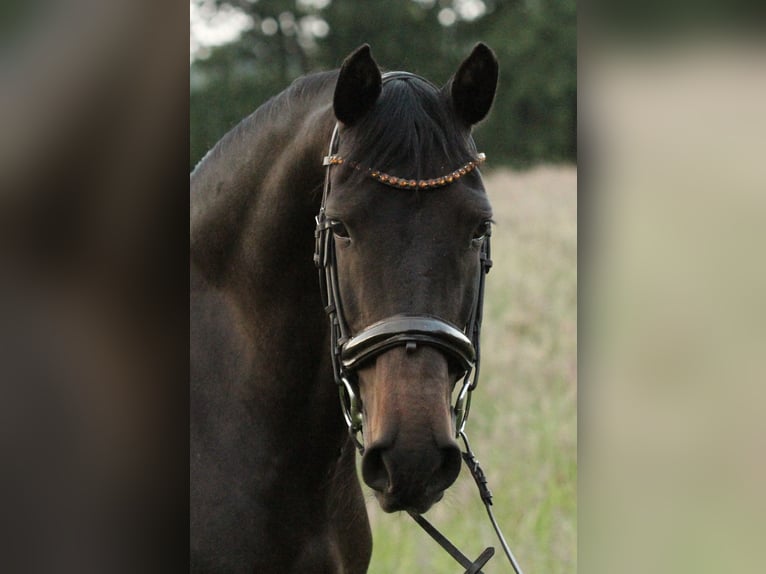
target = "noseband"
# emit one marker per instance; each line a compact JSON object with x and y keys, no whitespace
{"x":408,"y":330}
{"x":349,"y":352}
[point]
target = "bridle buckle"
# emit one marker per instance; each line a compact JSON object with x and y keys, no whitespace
{"x":351,"y":405}
{"x":462,"y":407}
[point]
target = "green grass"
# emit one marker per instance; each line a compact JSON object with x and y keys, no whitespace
{"x":523,"y":425}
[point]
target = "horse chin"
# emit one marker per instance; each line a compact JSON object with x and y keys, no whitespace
{"x":394,"y":503}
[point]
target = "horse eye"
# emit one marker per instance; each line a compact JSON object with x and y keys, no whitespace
{"x":338,"y":229}
{"x":484,"y":229}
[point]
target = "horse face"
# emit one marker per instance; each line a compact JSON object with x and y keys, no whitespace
{"x":413,"y":252}
{"x":406,"y":252}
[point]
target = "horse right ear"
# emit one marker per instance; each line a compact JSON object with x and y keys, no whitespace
{"x":358,"y":87}
{"x":473,"y":86}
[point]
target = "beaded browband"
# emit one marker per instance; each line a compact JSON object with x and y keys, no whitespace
{"x":404,"y":183}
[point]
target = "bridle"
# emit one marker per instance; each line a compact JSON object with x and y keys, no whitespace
{"x":348,"y":352}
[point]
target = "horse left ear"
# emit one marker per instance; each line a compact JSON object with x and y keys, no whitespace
{"x":473,"y":87}
{"x":358,"y":87}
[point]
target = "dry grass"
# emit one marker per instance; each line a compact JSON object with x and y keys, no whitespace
{"x":523,"y":423}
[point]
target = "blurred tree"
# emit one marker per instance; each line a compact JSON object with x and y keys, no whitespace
{"x":534,"y":118}
{"x":535,"y":113}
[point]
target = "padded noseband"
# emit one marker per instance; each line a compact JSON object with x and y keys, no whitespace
{"x":405,"y":330}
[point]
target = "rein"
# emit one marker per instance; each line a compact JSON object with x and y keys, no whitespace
{"x":348,"y":352}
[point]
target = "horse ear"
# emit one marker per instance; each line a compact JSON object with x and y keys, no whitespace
{"x":473,"y":86}
{"x":358,"y":87}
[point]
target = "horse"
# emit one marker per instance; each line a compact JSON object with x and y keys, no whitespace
{"x":389,"y":164}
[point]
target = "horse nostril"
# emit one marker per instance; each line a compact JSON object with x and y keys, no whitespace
{"x":374,"y":469}
{"x":448,"y":470}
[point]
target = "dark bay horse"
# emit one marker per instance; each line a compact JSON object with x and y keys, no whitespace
{"x":274,"y":486}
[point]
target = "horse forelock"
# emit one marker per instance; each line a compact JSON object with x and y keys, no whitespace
{"x":411,"y":132}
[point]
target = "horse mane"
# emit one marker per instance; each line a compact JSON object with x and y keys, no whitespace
{"x":229,"y":178}
{"x":411,"y":132}
{"x":302,"y":90}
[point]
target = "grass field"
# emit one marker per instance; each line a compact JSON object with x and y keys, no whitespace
{"x":523,"y":425}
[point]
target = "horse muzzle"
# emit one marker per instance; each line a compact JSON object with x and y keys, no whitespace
{"x":411,"y":481}
{"x":410,"y":456}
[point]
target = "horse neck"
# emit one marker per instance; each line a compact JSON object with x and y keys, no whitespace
{"x":251,"y":194}
{"x":254,"y":198}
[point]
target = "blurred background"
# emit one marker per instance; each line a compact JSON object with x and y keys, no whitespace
{"x":523,"y":423}
{"x":93,"y":285}
{"x":673,"y":321}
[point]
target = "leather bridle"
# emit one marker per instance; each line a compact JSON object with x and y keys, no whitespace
{"x":349,"y":351}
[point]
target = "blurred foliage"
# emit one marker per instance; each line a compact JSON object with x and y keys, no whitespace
{"x":534,"y":117}
{"x":16,"y":17}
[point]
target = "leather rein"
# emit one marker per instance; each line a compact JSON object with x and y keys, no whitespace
{"x":349,"y":351}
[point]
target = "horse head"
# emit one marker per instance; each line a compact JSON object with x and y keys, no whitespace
{"x":408,"y":215}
